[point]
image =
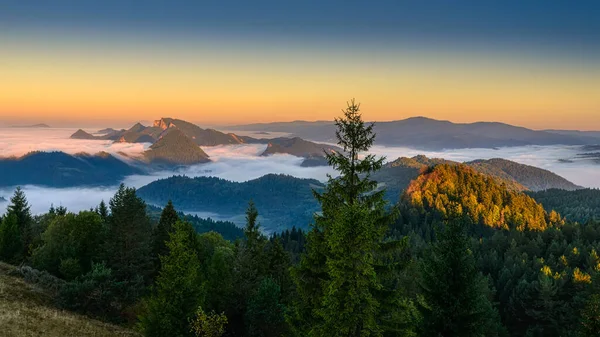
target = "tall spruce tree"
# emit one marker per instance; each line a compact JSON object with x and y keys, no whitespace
{"x":455,"y":294}
{"x":128,"y":244}
{"x":20,"y":209}
{"x":10,"y":240}
{"x":337,"y":279}
{"x":590,"y":315}
{"x":250,"y":268}
{"x":161,"y":232}
{"x":103,"y":211}
{"x":178,"y":289}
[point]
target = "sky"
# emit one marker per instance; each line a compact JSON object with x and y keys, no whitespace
{"x":105,"y":63}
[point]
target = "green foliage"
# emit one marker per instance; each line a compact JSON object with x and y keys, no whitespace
{"x":70,"y":244}
{"x":96,"y":294}
{"x":337,"y":280}
{"x":455,"y":295}
{"x":103,"y":211}
{"x":178,"y":289}
{"x":580,"y":205}
{"x":161,"y":232}
{"x":265,"y":313}
{"x":128,"y":243}
{"x":211,"y":325}
{"x":250,"y":266}
{"x":283,"y":200}
{"x":19,"y":207}
{"x":11,"y":246}
{"x":483,"y":199}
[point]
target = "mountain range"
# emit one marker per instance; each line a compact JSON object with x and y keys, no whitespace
{"x":139,"y":133}
{"x":33,"y":126}
{"x":430,"y":134}
{"x":286,"y":201}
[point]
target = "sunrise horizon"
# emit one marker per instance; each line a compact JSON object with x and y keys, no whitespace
{"x":220,"y":66}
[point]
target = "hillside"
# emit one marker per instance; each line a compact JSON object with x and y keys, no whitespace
{"x":430,"y":134}
{"x":283,"y":201}
{"x":483,"y":199}
{"x":175,"y":148}
{"x":533,"y":178}
{"x":580,"y":205}
{"x":58,"y":169}
{"x":395,"y":176}
{"x":27,"y":310}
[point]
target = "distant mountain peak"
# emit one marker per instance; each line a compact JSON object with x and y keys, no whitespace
{"x":176,"y":148}
{"x":80,"y":134}
{"x":138,"y":127}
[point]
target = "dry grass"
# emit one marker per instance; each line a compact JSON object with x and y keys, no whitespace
{"x":27,"y":311}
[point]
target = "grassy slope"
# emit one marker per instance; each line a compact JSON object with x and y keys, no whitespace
{"x":26,"y":310}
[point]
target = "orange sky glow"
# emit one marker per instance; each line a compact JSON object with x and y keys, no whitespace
{"x":70,"y":83}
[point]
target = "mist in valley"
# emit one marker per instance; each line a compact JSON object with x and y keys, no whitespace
{"x":242,"y":163}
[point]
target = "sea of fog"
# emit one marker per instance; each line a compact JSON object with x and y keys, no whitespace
{"x":242,"y":163}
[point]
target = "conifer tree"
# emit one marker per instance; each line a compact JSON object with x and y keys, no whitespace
{"x":337,"y":280}
{"x":128,"y":244}
{"x":265,"y":313}
{"x":160,"y":236}
{"x":178,"y":289}
{"x":19,"y":207}
{"x":103,"y":211}
{"x":590,"y":315}
{"x":455,"y":294}
{"x":250,"y":266}
{"x":10,"y":240}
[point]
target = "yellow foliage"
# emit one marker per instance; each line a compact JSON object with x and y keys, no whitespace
{"x":564,"y":261}
{"x":581,"y":277}
{"x":546,"y":270}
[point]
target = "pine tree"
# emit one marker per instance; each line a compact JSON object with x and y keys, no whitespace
{"x":590,"y":315}
{"x":162,"y":231}
{"x":279,"y":264}
{"x":19,"y":207}
{"x":178,"y":289}
{"x":103,"y":211}
{"x":455,"y":294}
{"x":250,"y":266}
{"x":10,"y":240}
{"x":265,"y":314}
{"x":337,"y":281}
{"x":128,"y":244}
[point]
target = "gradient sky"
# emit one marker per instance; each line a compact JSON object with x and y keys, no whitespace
{"x":529,"y":63}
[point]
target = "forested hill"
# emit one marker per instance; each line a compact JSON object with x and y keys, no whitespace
{"x":580,"y":205}
{"x":484,"y":199}
{"x":58,"y":169}
{"x":283,"y":201}
{"x":542,"y":267}
{"x":534,"y":178}
{"x":395,"y":176}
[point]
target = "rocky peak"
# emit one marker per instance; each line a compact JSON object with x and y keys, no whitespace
{"x":163,"y":123}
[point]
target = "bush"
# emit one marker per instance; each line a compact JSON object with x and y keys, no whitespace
{"x":41,"y":279}
{"x":95,"y":293}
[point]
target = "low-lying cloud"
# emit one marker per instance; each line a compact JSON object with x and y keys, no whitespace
{"x":243,"y":162}
{"x":19,"y":141}
{"x":585,"y":173}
